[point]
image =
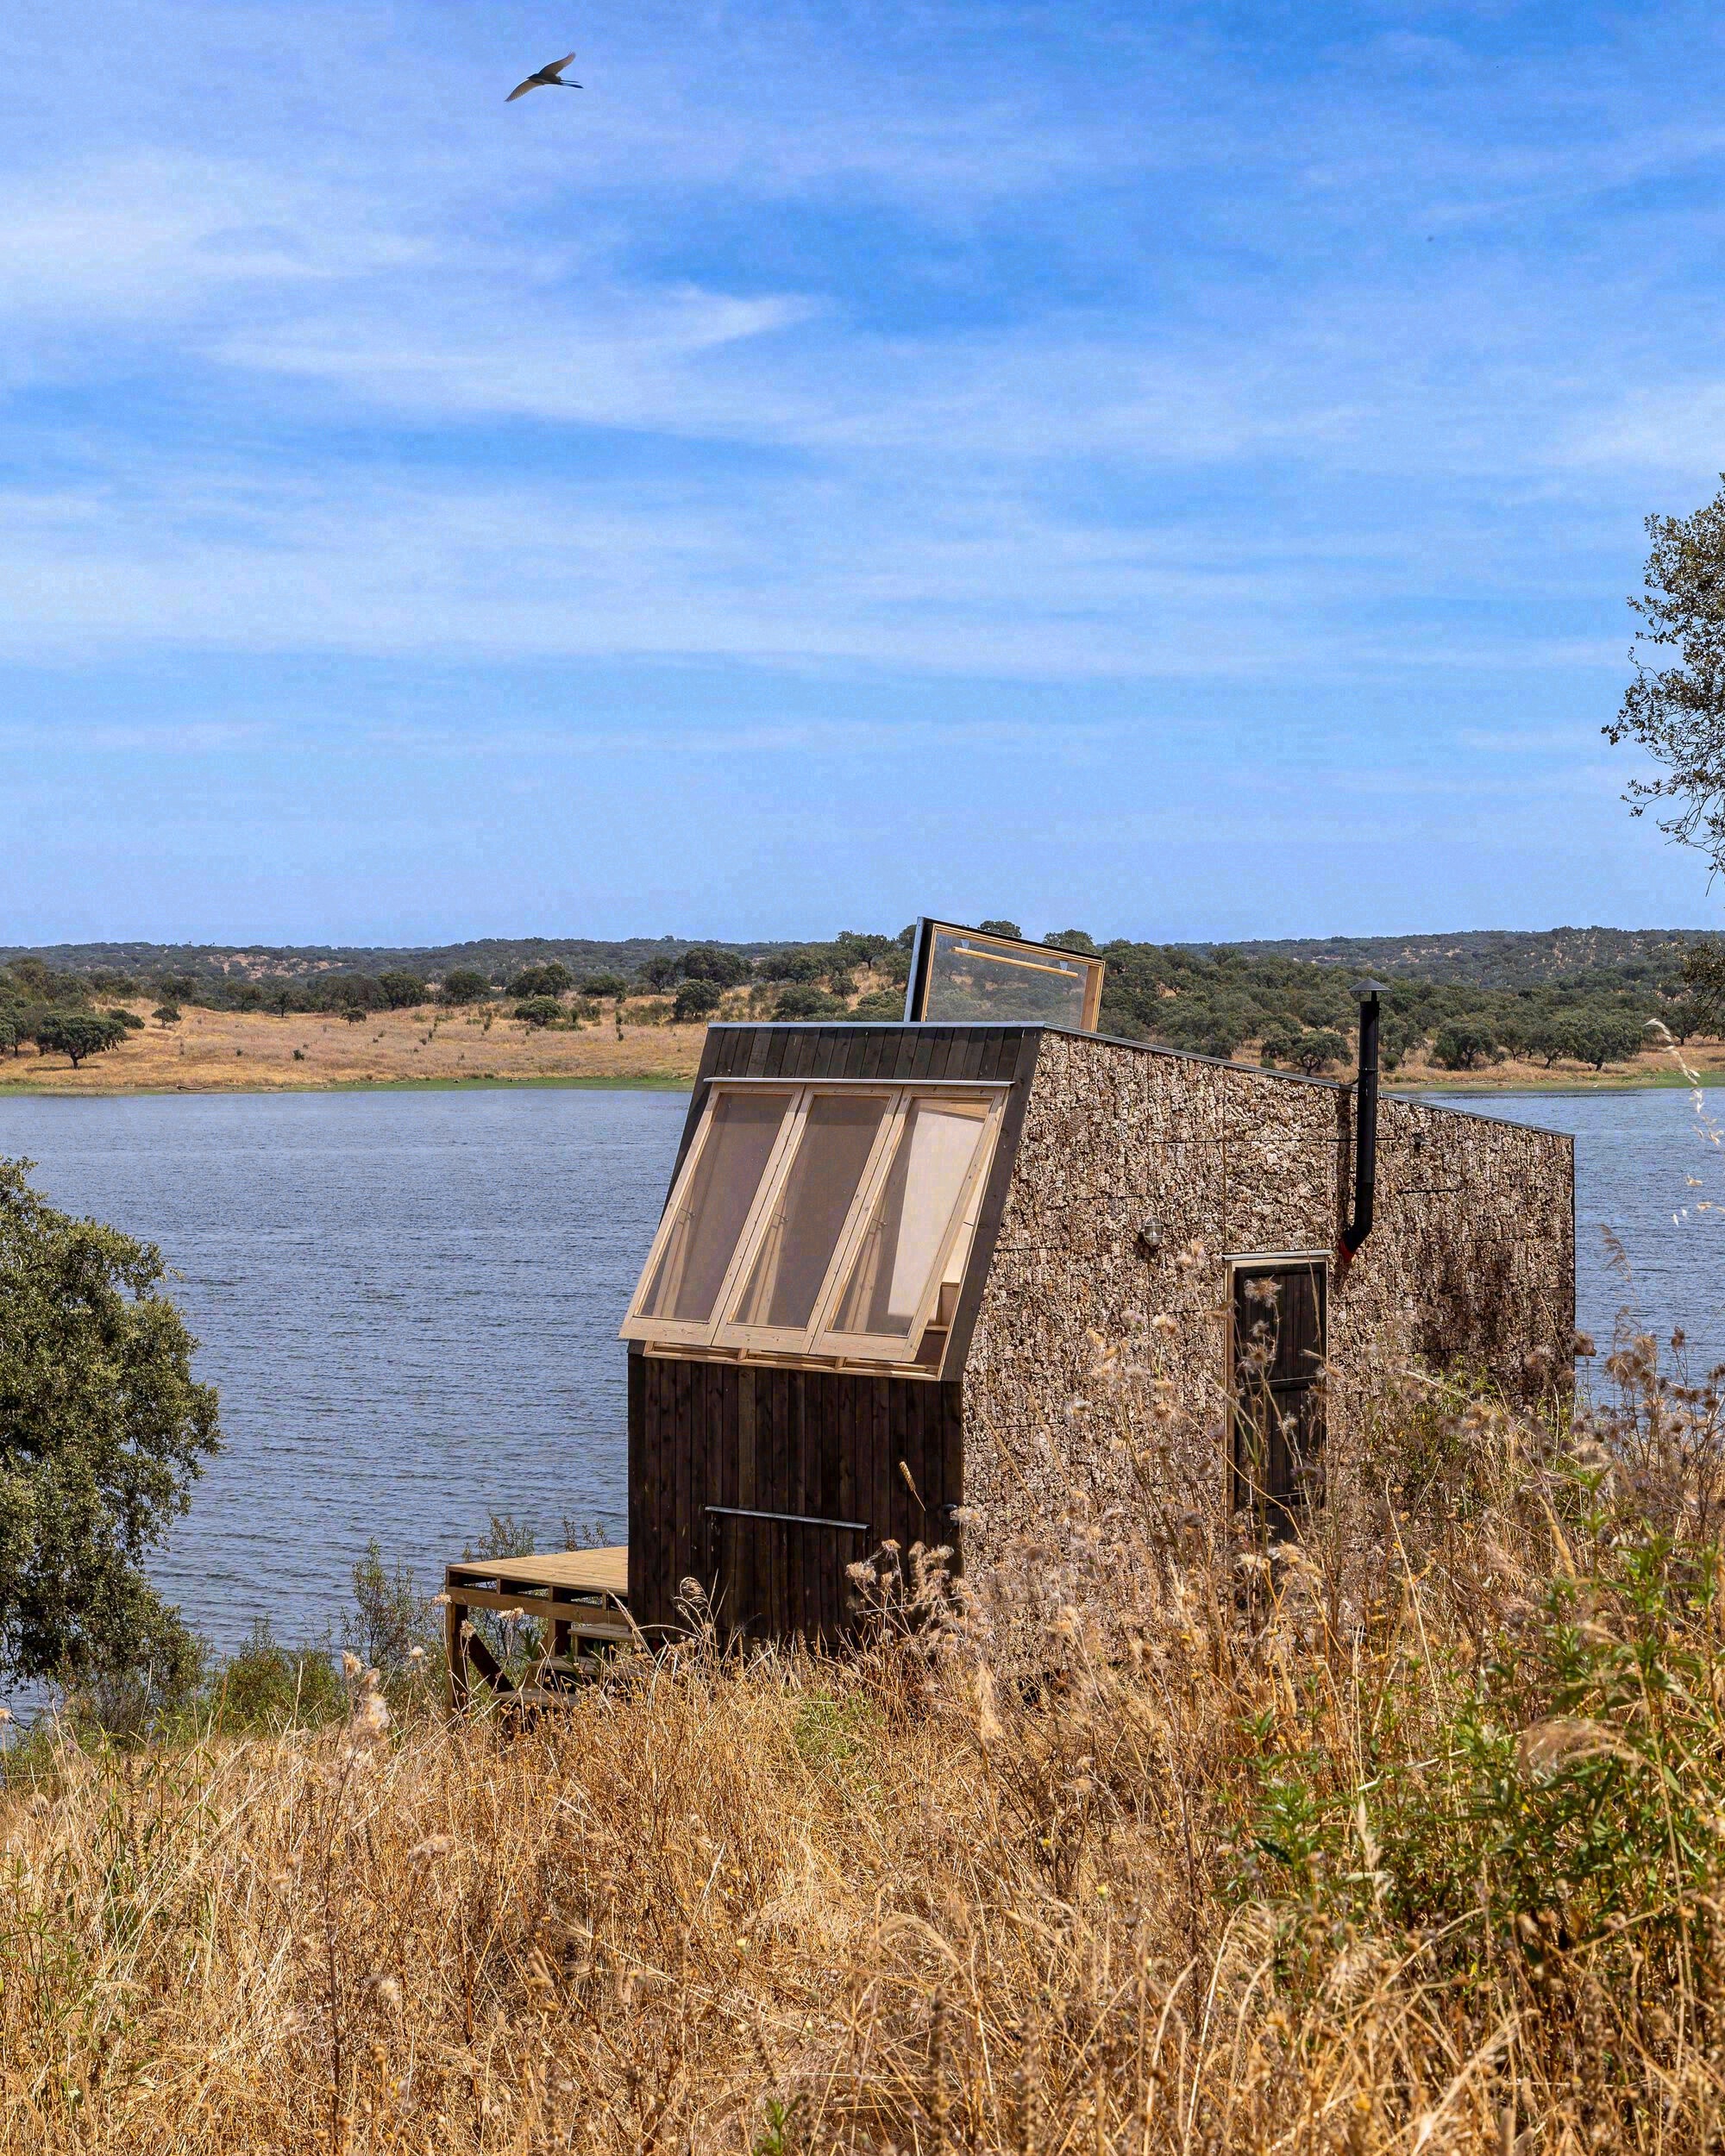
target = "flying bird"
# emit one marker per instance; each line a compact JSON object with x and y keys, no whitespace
{"x":549,"y":77}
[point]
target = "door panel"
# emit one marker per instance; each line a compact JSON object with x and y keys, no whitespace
{"x":1279,"y":1313}
{"x":782,"y":1577}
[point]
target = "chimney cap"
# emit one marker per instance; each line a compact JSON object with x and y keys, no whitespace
{"x":1364,"y":988}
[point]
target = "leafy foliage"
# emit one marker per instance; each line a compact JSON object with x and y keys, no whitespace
{"x":79,"y":1033}
{"x":102,"y":1431}
{"x":551,"y":978}
{"x":696,"y":999}
{"x":1675,"y":710}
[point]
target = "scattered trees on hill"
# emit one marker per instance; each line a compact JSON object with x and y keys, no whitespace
{"x":541,"y":1010}
{"x":1549,"y":998}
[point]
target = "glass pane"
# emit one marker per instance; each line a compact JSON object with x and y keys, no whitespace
{"x":977,"y":977}
{"x":911,"y":1216}
{"x":803,"y":1229}
{"x":742,"y":1127}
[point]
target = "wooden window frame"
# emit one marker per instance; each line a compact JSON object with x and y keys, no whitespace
{"x":1241,"y":1496}
{"x":691,"y":1332}
{"x":922,"y":959}
{"x":816,"y":1341}
{"x":892,"y":1349}
{"x":769,"y":1339}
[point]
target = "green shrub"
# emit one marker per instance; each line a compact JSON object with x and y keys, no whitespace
{"x":1464,"y":1044}
{"x":880,"y":1006}
{"x":532,"y":983}
{"x":266,"y":1687}
{"x":801,"y":1001}
{"x":696,"y":1000}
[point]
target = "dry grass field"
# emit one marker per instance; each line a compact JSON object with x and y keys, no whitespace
{"x":217,"y":1051}
{"x":1409,"y":1840}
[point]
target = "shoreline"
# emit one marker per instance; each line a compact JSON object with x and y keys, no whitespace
{"x":627,"y":1082}
{"x":438,"y":1050}
{"x":681,"y":1081}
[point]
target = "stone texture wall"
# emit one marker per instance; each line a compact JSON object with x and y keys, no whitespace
{"x":1091,"y":1364}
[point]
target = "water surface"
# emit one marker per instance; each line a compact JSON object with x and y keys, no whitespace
{"x":1649,"y":1171}
{"x":410,"y":1302}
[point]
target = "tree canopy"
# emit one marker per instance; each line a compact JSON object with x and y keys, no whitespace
{"x":1675,"y":708}
{"x":102,"y":1431}
{"x":79,"y":1033}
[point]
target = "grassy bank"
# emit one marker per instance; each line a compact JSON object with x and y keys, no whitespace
{"x":1409,"y":1839}
{"x":232,"y":1051}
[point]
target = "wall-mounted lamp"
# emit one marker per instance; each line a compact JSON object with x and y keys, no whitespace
{"x":1149,"y":1239}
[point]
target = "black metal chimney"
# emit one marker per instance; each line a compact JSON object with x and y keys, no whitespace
{"x":1364,"y":1130}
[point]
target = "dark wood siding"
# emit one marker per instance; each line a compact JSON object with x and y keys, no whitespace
{"x":823,"y":1446}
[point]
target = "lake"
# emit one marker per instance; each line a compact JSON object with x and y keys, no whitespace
{"x":410,"y":1301}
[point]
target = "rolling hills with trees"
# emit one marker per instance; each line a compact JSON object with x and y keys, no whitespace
{"x":1568,"y":996}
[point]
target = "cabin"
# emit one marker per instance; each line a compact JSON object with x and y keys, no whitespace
{"x":893,"y":1258}
{"x":889,"y":1253}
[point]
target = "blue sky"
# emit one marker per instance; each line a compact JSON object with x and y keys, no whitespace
{"x":1172,"y":470}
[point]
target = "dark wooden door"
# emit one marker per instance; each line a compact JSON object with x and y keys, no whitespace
{"x":1280,"y":1313}
{"x":764,"y":1482}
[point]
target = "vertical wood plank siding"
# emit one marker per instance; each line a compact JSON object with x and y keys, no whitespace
{"x":824,"y":1444}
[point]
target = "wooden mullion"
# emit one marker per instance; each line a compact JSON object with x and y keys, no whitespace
{"x":906,"y":1350}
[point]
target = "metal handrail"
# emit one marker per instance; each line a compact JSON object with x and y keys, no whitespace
{"x":790,"y":1519}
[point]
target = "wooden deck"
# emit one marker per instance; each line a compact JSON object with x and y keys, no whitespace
{"x":580,"y":1599}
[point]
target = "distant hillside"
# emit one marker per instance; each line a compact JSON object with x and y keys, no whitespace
{"x":1583,"y":997}
{"x":1490,"y":958}
{"x":1482,"y":958}
{"x":497,"y":956}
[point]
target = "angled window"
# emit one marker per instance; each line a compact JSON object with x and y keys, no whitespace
{"x":828,"y":1221}
{"x":800,"y":1228}
{"x":896,"y":1271}
{"x":961,"y":976}
{"x":739,"y":1137}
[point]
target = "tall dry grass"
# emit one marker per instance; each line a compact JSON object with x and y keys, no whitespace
{"x":1407,"y":1839}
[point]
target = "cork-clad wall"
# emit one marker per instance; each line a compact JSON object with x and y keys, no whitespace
{"x":1472,"y":1259}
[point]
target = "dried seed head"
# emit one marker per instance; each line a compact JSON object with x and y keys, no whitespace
{"x":1567,"y":1740}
